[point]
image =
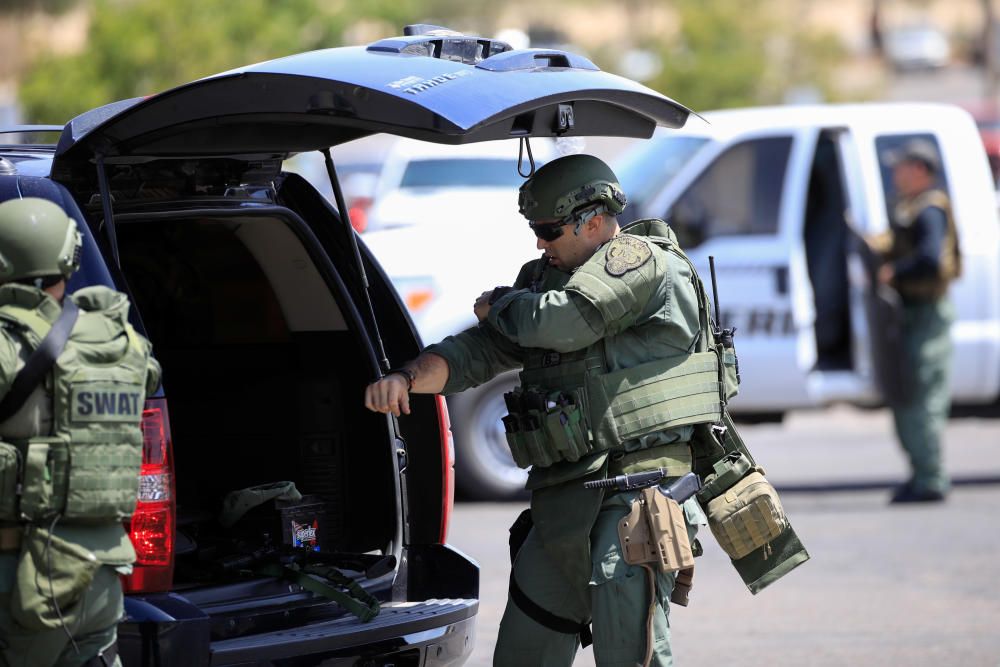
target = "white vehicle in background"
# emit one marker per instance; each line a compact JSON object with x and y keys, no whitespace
{"x":917,"y":47}
{"x":779,"y":196}
{"x":445,"y":227}
{"x":422,"y":183}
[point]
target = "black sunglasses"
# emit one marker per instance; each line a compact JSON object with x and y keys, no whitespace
{"x":548,"y":232}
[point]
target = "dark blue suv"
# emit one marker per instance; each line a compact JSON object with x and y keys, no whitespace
{"x":269,"y":318}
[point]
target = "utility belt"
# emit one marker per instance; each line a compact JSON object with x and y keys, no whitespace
{"x":545,"y":426}
{"x":45,"y":477}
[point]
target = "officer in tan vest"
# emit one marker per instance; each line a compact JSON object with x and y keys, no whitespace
{"x":70,"y":445}
{"x":619,"y":375}
{"x":921,"y":259}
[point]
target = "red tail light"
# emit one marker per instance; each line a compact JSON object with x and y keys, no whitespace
{"x":153,"y":522}
{"x":447,"y":467}
{"x":357,"y":211}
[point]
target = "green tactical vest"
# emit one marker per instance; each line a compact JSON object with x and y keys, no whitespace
{"x":570,"y":405}
{"x":87,"y":468}
{"x":903,"y":244}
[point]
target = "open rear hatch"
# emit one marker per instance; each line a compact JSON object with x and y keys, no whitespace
{"x":320,"y":99}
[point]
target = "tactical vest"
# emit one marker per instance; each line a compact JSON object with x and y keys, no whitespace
{"x":903,"y":244}
{"x":569,"y":405}
{"x":87,"y":469}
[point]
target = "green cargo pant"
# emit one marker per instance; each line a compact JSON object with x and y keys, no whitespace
{"x":617,"y":598}
{"x":921,"y":421}
{"x":95,"y":629}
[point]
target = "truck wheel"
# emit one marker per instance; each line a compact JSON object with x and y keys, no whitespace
{"x":484,"y":468}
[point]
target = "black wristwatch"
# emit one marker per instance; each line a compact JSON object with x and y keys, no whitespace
{"x":407,"y":373}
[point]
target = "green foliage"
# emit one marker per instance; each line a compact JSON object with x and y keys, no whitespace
{"x":731,"y":53}
{"x":25,"y":6}
{"x":140,"y":47}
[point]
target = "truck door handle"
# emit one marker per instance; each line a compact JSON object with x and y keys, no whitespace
{"x":781,"y":280}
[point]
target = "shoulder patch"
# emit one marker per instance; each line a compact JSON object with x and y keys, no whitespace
{"x":626,"y":253}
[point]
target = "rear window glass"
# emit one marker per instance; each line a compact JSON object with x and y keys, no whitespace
{"x":739,"y":193}
{"x":461,"y":173}
{"x":645,"y":170}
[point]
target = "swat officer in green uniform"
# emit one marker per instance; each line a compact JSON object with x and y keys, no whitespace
{"x":73,"y":379}
{"x":610,"y":331}
{"x":922,"y":258}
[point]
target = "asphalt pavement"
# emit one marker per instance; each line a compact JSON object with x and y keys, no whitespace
{"x":886,"y":585}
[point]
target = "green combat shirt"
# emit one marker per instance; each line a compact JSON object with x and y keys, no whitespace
{"x":106,"y":314}
{"x":648,"y":312}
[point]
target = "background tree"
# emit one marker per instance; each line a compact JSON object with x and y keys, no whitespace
{"x":140,"y":47}
{"x":729,"y":53}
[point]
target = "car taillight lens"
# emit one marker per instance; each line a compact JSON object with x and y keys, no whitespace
{"x":357,"y":211}
{"x":153,"y":522}
{"x":447,"y":467}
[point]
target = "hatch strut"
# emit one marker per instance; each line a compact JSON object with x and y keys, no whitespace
{"x":109,"y":219}
{"x":346,"y":219}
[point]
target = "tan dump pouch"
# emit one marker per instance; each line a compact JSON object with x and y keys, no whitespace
{"x":747,"y":516}
{"x":9,"y":470}
{"x":655,"y":532}
{"x":657,"y":395}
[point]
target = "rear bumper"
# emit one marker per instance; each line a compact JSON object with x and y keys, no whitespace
{"x":440,"y":631}
{"x":432,"y":622}
{"x":431,"y":632}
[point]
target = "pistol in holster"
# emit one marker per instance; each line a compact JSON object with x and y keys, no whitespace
{"x":654,"y":533}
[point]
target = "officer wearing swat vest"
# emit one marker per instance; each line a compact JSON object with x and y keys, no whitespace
{"x":620,"y":373}
{"x":70,"y":445}
{"x":922,"y":257}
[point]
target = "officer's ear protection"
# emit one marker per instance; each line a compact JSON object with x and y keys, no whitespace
{"x":72,"y":249}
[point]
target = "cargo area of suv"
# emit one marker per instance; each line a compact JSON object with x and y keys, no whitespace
{"x":264,"y":380}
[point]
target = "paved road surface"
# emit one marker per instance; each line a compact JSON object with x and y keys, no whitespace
{"x":885,"y":586}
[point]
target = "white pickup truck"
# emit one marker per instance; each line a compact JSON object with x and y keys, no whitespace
{"x":779,"y":196}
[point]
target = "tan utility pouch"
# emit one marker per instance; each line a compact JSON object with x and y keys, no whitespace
{"x":655,"y":532}
{"x":52,"y":577}
{"x":747,"y":516}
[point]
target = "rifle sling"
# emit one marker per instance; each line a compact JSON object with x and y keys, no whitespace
{"x":356,"y":599}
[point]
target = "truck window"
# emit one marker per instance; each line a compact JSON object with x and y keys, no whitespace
{"x":739,"y":193}
{"x":887,"y":143}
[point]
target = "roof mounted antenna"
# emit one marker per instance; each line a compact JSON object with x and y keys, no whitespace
{"x":525,"y":143}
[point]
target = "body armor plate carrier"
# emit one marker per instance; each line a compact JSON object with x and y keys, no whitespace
{"x":87,"y":469}
{"x":569,"y":405}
